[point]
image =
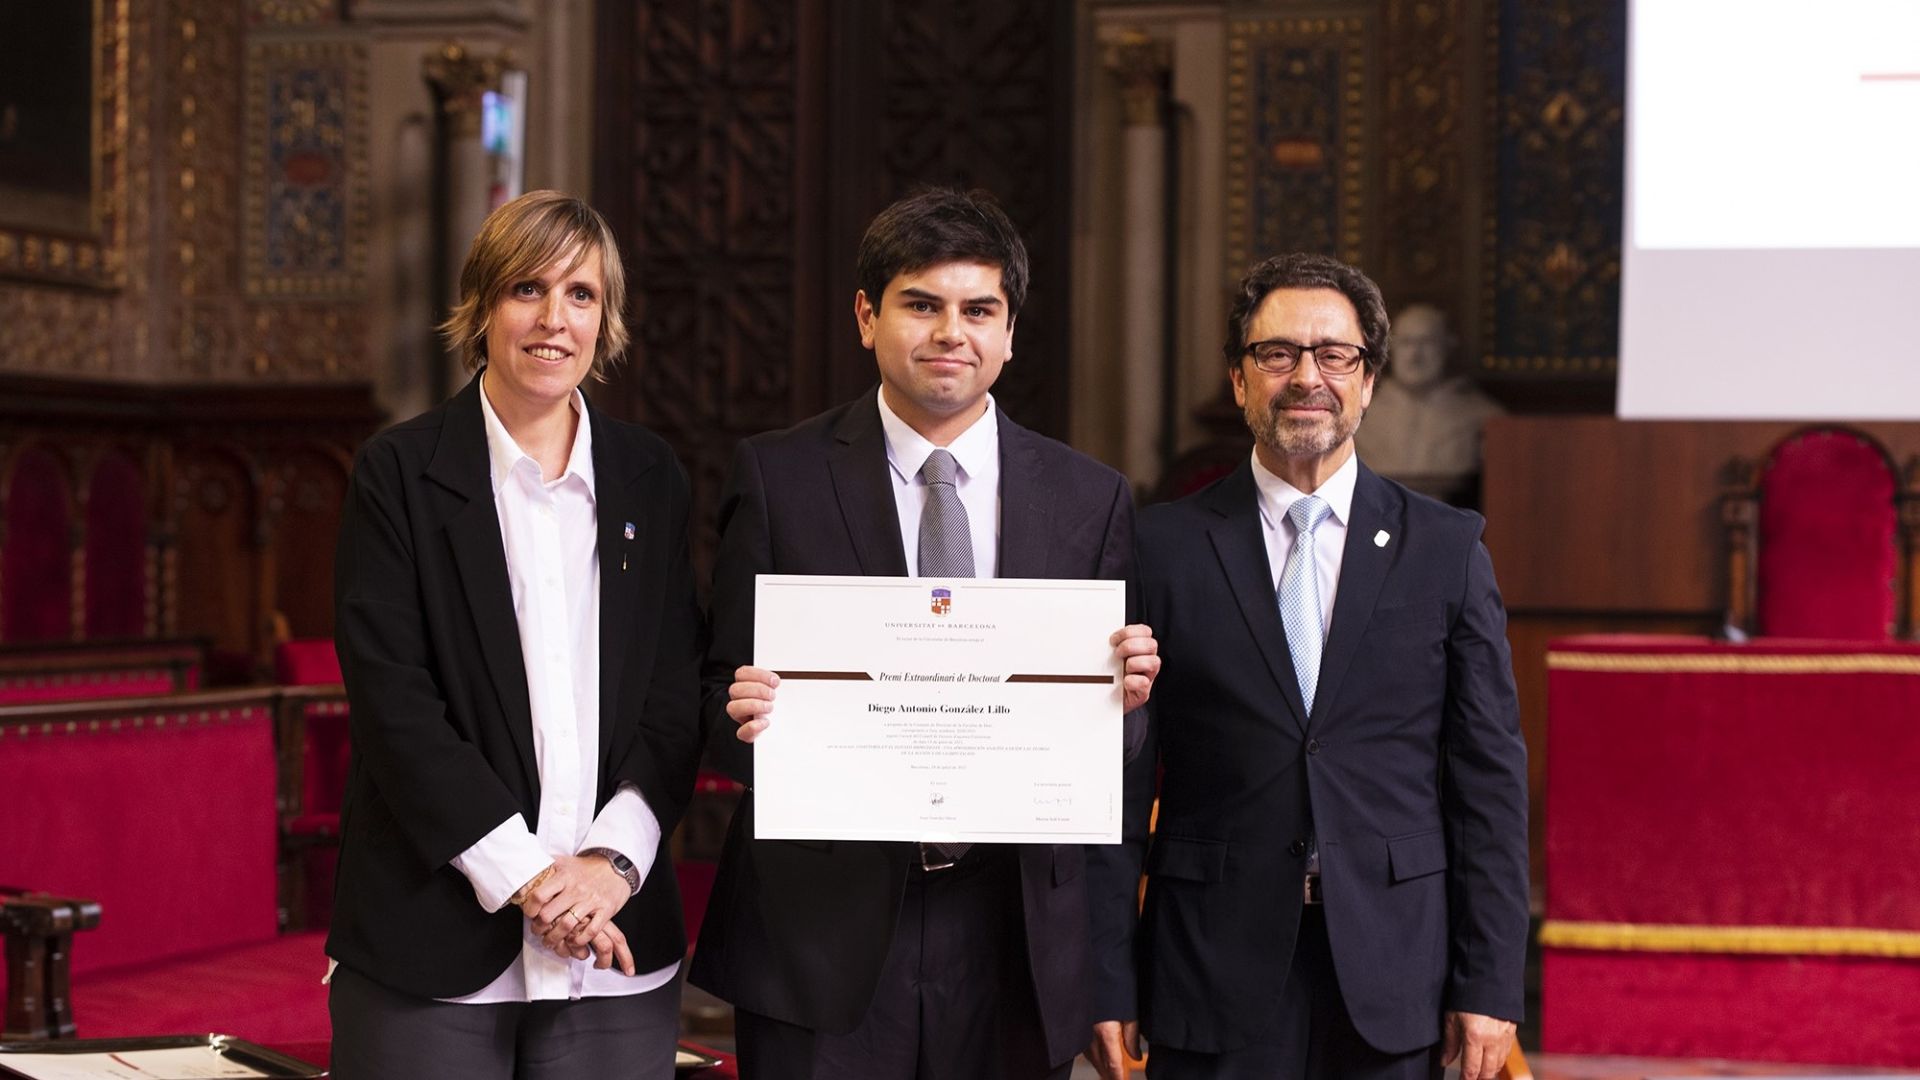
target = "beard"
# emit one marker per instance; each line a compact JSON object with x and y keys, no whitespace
{"x":1291,"y":437}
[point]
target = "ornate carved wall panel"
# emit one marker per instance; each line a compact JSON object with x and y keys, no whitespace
{"x":194,"y":95}
{"x":1298,"y":138}
{"x":197,"y":511}
{"x":976,"y":95}
{"x":36,"y":587}
{"x":63,"y":189}
{"x":56,"y":329}
{"x":305,"y":169}
{"x":698,"y":114}
{"x":744,"y":144}
{"x":117,"y":572}
{"x":1553,"y":286}
{"x":305,"y":487}
{"x":210,"y":513}
{"x":1467,"y":152}
{"x":1434,"y":149}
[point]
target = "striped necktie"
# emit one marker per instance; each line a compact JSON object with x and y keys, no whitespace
{"x":1300,"y":597}
{"x":946,"y":548}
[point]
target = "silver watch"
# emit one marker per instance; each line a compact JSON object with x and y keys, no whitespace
{"x":621,"y":865}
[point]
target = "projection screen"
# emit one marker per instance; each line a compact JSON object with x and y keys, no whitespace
{"x":1772,"y":239}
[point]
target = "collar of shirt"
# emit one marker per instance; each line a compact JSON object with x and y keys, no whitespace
{"x":506,"y":456}
{"x":977,"y":450}
{"x":1277,"y":496}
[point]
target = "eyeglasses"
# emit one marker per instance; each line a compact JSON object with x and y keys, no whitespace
{"x":1280,"y":357}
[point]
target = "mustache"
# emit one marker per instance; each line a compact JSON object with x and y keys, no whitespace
{"x":1314,"y":399}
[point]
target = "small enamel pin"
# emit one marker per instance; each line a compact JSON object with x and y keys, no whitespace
{"x":1380,"y":538}
{"x":627,"y":531}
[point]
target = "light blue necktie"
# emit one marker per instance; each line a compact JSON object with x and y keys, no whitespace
{"x":1300,"y":596}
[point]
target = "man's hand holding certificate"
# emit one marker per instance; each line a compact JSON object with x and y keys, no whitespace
{"x":972,"y":710}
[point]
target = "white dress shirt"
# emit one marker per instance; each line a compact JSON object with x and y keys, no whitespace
{"x":1329,"y":539}
{"x":977,"y":451}
{"x":553,"y":566}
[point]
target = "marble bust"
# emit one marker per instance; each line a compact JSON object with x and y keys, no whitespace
{"x":1423,"y":428}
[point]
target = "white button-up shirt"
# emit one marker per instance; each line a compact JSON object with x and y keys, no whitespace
{"x":1329,"y":539}
{"x":549,"y":530}
{"x":977,"y":451}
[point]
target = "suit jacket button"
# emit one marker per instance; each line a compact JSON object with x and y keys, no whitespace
{"x":1313,"y":746}
{"x":1298,"y":847}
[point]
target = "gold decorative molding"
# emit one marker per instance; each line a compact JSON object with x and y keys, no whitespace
{"x":1140,"y":63}
{"x":205,"y":43}
{"x":293,"y":12}
{"x":459,"y":79}
{"x":1726,"y":663}
{"x":1740,"y":940}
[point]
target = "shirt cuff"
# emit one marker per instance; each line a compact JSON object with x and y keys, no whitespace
{"x":627,"y":825}
{"x":502,"y":861}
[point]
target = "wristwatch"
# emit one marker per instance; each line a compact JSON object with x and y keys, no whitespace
{"x":621,"y":865}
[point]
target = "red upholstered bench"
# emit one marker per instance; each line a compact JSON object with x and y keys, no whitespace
{"x":162,"y":809}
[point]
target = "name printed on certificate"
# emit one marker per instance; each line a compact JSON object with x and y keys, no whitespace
{"x":982,"y":710}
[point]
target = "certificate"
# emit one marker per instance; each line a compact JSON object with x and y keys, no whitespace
{"x":979,"y":710}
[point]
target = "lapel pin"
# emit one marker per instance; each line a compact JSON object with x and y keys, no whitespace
{"x":627,"y":531}
{"x":1380,"y":538}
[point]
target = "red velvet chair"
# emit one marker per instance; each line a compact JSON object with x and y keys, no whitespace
{"x":313,"y":750}
{"x":1817,"y":545}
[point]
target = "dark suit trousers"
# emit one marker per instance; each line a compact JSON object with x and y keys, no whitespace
{"x":955,"y":1000}
{"x":1314,"y":1037}
{"x":381,"y":1034}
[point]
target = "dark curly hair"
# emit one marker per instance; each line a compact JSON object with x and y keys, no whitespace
{"x":1300,"y":270}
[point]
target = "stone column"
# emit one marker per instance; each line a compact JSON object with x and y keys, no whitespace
{"x":1139,"y":64}
{"x":459,"y":80}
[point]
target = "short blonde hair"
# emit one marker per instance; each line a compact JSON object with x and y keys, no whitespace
{"x":517,"y":242}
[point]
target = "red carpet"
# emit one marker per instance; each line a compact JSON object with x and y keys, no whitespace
{"x":266,"y":993}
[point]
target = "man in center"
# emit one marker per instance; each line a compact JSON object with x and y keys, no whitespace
{"x":886,"y":960}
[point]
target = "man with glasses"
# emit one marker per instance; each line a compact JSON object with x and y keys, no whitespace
{"x":1338,"y":871}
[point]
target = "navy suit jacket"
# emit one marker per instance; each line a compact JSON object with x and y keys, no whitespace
{"x":441,"y":727}
{"x":798,"y":930}
{"x":1411,"y":773}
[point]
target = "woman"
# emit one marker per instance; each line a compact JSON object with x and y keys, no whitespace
{"x":517,"y":628}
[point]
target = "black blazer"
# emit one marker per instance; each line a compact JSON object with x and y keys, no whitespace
{"x":798,"y":930}
{"x":1411,"y":771}
{"x":441,"y":728}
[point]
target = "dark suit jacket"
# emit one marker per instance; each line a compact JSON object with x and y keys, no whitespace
{"x":798,"y":930}
{"x":1411,"y":772}
{"x":441,"y":727}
